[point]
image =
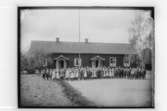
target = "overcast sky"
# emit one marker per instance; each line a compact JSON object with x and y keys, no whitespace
{"x":105,"y":25}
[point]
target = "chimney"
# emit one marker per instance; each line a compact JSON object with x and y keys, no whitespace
{"x":86,"y":40}
{"x":57,"y":39}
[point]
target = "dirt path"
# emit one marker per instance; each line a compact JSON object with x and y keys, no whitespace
{"x":36,"y":92}
{"x":75,"y":96}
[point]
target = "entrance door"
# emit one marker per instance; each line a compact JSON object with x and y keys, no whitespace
{"x":97,"y":63}
{"x":61,"y":64}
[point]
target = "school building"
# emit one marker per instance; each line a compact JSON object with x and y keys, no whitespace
{"x":84,"y":54}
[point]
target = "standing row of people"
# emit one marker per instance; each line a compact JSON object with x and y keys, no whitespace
{"x":94,"y":73}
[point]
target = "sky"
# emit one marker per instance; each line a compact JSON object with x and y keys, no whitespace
{"x":98,"y":25}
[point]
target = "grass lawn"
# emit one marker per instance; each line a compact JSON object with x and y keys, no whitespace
{"x":37,"y":92}
{"x":116,"y":92}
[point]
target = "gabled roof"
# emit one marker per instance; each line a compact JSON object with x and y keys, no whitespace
{"x":61,"y":57}
{"x":97,"y":57}
{"x":81,"y":47}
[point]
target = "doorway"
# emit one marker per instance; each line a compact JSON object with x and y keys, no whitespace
{"x":96,"y":63}
{"x":61,"y":64}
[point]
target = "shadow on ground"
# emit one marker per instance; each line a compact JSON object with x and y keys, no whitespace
{"x":36,"y":92}
{"x":74,"y":95}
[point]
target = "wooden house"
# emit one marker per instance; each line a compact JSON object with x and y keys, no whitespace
{"x":84,"y":54}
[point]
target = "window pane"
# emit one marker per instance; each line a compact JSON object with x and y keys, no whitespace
{"x":113,"y":61}
{"x":77,"y":62}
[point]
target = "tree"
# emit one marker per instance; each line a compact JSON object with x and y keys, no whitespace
{"x":39,"y":60}
{"x":141,"y":34}
{"x":23,"y":62}
{"x":35,"y":60}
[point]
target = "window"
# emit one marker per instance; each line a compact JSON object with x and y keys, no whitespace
{"x":112,"y":61}
{"x":126,"y":61}
{"x":77,"y":62}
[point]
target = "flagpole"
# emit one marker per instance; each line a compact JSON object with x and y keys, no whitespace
{"x":79,"y":30}
{"x":79,"y":23}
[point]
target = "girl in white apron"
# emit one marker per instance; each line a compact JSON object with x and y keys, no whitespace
{"x":53,"y":74}
{"x":67,"y":74}
{"x":93,"y":73}
{"x":76,"y":73}
{"x":85,"y":74}
{"x":110,"y":72}
{"x":57,"y":74}
{"x":72,"y":74}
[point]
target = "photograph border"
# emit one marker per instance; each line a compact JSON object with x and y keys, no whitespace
{"x":19,"y":8}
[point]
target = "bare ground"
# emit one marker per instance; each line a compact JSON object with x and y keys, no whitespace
{"x":37,"y":92}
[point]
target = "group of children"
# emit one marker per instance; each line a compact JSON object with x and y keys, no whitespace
{"x":94,"y":73}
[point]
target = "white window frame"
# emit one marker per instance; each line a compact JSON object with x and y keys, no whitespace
{"x":79,"y":61}
{"x":115,"y":61}
{"x":126,"y":64}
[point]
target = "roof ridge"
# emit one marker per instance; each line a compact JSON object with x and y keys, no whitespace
{"x":82,"y":47}
{"x":81,"y":42}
